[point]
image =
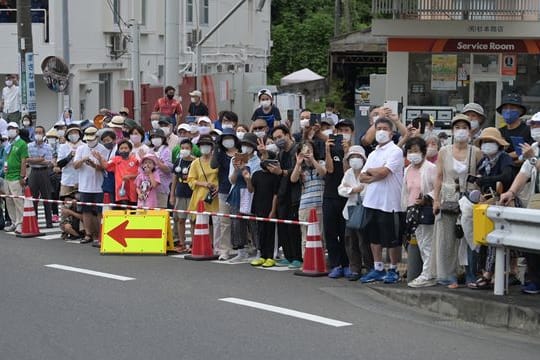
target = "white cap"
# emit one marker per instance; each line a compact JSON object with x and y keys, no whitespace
{"x":185,"y":127}
{"x":195,"y":93}
{"x":356,"y":150}
{"x":534,"y":119}
{"x":13,"y":125}
{"x":205,"y":119}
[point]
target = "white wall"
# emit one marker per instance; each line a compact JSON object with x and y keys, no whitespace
{"x":397,"y":70}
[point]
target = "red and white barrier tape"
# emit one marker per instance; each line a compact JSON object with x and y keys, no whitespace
{"x":133,"y":207}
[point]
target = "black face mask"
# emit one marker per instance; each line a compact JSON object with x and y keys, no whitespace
{"x":124,"y":155}
{"x":170,"y":96}
{"x":125,"y":134}
{"x":109,"y":145}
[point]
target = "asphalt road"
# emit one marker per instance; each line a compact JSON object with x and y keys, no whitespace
{"x":171,"y":310}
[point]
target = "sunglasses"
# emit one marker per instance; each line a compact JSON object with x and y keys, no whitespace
{"x":259,"y":128}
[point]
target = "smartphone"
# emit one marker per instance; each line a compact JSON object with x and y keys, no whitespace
{"x":338,"y":141}
{"x":472,"y":179}
{"x":270,"y":162}
{"x":419,"y":123}
{"x":314,"y":119}
{"x":392,"y":105}
{"x":290,"y":115}
{"x":516,"y":142}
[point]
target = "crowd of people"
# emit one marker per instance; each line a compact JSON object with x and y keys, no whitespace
{"x":391,"y":187}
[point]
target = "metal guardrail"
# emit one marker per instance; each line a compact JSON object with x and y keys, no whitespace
{"x":458,"y":9}
{"x":514,"y":228}
{"x":39,"y":16}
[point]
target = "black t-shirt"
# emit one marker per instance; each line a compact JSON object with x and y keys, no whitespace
{"x":198,"y":110}
{"x":521,"y":131}
{"x":181,"y":170}
{"x":289,"y":193}
{"x":265,"y":185}
{"x":270,"y":117}
{"x":332,"y":181}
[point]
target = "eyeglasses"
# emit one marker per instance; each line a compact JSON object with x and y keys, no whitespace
{"x":259,"y":128}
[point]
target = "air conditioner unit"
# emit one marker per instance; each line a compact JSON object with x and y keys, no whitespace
{"x":118,"y":43}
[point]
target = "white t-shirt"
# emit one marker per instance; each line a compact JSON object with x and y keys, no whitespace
{"x":12,"y":99}
{"x":90,"y":179}
{"x":70,"y":176}
{"x":385,"y":194}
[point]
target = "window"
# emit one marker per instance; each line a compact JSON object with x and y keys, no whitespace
{"x":143,"y":12}
{"x":204,"y":18}
{"x":189,"y":11}
{"x":116,"y":11}
{"x":105,"y":90}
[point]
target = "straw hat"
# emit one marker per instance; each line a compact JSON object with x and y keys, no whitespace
{"x":491,"y":134}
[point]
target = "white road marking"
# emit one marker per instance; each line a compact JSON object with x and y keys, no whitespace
{"x":288,"y":312}
{"x":50,"y":237}
{"x":89,"y":272}
{"x":276,"y":268}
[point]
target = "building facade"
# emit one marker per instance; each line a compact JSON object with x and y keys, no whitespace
{"x":445,"y":53}
{"x":100,"y":48}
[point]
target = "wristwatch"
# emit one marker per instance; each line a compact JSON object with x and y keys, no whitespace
{"x":533,"y":160}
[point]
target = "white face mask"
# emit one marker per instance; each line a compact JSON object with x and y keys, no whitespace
{"x":247,"y":149}
{"x":382,"y":136}
{"x":356,"y":163}
{"x":346,"y":137}
{"x":266,"y":104}
{"x":9,"y":83}
{"x":327,"y":132}
{"x":227,"y":126}
{"x":535,"y":134}
{"x":61,"y":133}
{"x":431,"y":151}
{"x":204,"y":130}
{"x":92,"y":143}
{"x":260,"y":134}
{"x":26,"y":123}
{"x":240,"y":135}
{"x":461,"y":135}
{"x":155,"y":124}
{"x":228,"y":143}
{"x":193,"y":99}
{"x":156,"y":142}
{"x":475,"y":124}
{"x":304,"y":123}
{"x":272,"y":148}
{"x":489,"y":148}
{"x":135,"y":138}
{"x":194,"y":129}
{"x":414,"y":158}
{"x":184,"y":153}
{"x":205,"y":149}
{"x":38,"y":137}
{"x":166,"y":130}
{"x":12,"y":133}
{"x":51,"y":141}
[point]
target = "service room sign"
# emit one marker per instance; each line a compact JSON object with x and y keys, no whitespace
{"x":464,"y":45}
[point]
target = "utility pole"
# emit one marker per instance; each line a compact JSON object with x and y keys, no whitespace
{"x":135,"y":70}
{"x":27,"y":83}
{"x":65,"y":50}
{"x":337,"y":17}
{"x":172,"y":8}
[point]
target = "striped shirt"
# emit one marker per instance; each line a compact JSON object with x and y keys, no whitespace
{"x":43,"y":150}
{"x":312,"y":189}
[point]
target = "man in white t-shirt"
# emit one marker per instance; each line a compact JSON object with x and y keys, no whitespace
{"x":383,"y":172}
{"x":90,"y":181}
{"x":11,"y":100}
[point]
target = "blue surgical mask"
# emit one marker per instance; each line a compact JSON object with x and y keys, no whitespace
{"x":510,"y":115}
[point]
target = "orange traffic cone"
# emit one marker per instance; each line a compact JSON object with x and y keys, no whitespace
{"x":201,"y":247}
{"x":106,"y":200}
{"x":314,"y":262}
{"x":29,"y":226}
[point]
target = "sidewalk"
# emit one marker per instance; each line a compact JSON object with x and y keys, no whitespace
{"x":515,"y":311}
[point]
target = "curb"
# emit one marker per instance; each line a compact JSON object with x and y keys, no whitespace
{"x":471,"y":309}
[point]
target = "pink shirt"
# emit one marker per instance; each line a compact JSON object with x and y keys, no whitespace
{"x":148,"y":192}
{"x":414,"y":185}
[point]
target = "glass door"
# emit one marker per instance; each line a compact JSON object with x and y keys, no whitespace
{"x":487,"y":92}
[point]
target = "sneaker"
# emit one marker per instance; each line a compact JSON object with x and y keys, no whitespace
{"x":392,"y":276}
{"x":258,"y":262}
{"x":224,"y":257}
{"x":10,"y":228}
{"x":85,"y":240}
{"x":269,"y":263}
{"x":531,"y":288}
{"x":283,"y":263}
{"x":513,"y":280}
{"x":336,"y":273}
{"x":372,"y":276}
{"x":240,"y":258}
{"x":55,"y":219}
{"x":295,"y":264}
{"x":354,"y":276}
{"x":421,"y":282}
{"x":96,"y":244}
{"x":347,"y":272}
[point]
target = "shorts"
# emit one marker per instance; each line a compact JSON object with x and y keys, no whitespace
{"x":181,"y":204}
{"x":93,"y":198}
{"x":64,"y":189}
{"x":384,"y":228}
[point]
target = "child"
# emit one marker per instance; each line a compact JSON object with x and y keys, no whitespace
{"x":180,"y":190}
{"x":265,"y":187}
{"x":69,"y":222}
{"x":147,"y":182}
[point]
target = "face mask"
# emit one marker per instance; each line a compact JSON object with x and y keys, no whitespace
{"x":166,"y":130}
{"x":535,"y":134}
{"x":327,"y":132}
{"x":260,"y":134}
{"x":431,"y":152}
{"x":157,"y":142}
{"x":170,"y":96}
{"x":228,"y":143}
{"x":73,"y":138}
{"x":266,"y":104}
{"x":135,"y":138}
{"x":382,"y":137}
{"x":193,"y":100}
{"x":26,"y":123}
{"x":155,"y":124}
{"x":281,"y":143}
{"x":12,"y":133}
{"x":9,"y":83}
{"x":227,"y":126}
{"x":92,"y":143}
{"x":489,"y":148}
{"x":247,"y":149}
{"x":194,"y":128}
{"x":510,"y":115}
{"x":356,"y":163}
{"x":272,"y":148}
{"x":51,"y":141}
{"x":38,"y":137}
{"x":61,"y":133}
{"x":240,"y":135}
{"x":304,"y":123}
{"x":203,"y":130}
{"x":461,"y":135}
{"x":475,"y":124}
{"x":109,"y":146}
{"x":184,"y":153}
{"x":346,"y":137}
{"x":123,"y":154}
{"x":205,"y":149}
{"x":414,"y":158}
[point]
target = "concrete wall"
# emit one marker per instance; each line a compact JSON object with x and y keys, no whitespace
{"x":397,"y":76}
